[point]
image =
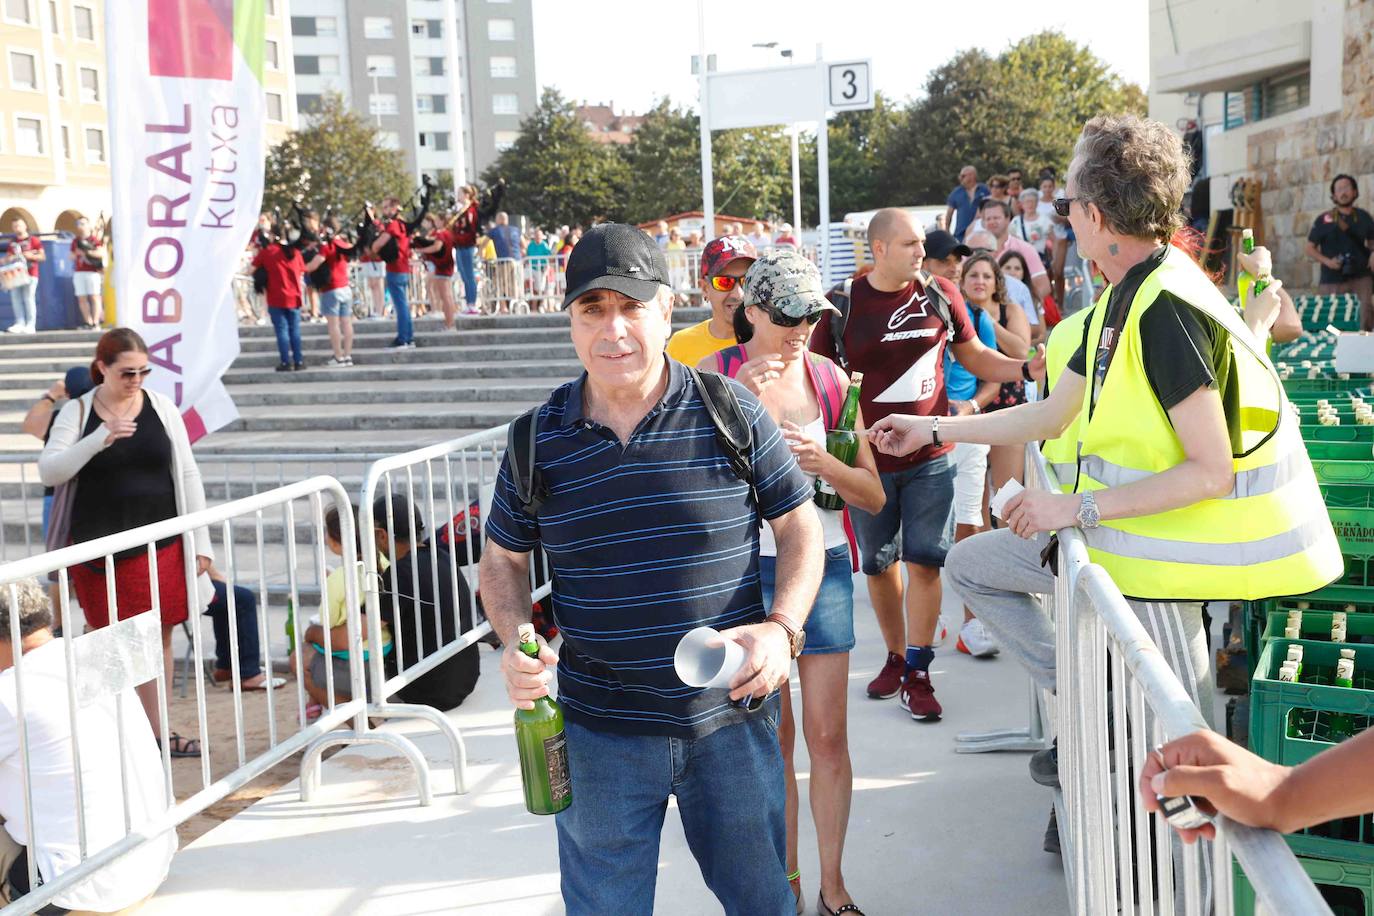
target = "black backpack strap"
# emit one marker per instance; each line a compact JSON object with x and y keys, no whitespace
{"x":733,"y":430}
{"x":939,"y":300}
{"x":520,"y":439}
{"x":841,"y":297}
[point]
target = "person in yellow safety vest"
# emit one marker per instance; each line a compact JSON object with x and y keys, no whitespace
{"x":1192,"y":481}
{"x":1062,"y":451}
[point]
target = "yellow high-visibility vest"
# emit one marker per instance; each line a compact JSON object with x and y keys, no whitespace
{"x":1269,"y":536}
{"x":1062,"y":453}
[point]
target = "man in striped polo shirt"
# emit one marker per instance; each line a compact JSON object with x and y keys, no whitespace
{"x":651,"y":534}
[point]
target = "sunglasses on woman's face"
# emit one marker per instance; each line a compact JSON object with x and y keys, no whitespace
{"x":130,"y":375}
{"x":1061,"y":205}
{"x":723,"y":284}
{"x":784,"y":320}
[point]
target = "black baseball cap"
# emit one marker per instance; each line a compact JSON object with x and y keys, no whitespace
{"x":941,"y":244}
{"x":617,"y":257}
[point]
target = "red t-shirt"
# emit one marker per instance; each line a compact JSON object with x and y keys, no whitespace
{"x":443,"y":258}
{"x":79,"y":256}
{"x":336,"y":259}
{"x":465,"y":228}
{"x":29,"y":243}
{"x":898,"y":342}
{"x":397,"y":230}
{"x":284,"y":268}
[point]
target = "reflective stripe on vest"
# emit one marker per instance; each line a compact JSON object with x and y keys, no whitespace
{"x":1269,"y":536}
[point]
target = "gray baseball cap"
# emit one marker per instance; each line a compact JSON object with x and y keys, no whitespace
{"x":784,"y":280}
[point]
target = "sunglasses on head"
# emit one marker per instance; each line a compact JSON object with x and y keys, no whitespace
{"x":130,"y":374}
{"x":723,"y":284}
{"x":1061,"y":205}
{"x":783,"y":320}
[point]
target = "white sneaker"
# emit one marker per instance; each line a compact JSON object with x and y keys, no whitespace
{"x":15,"y":329}
{"x":336,"y":362}
{"x":941,"y":633}
{"x":975,"y":640}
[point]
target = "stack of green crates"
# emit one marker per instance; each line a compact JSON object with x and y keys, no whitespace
{"x":1341,"y":311}
{"x":1292,"y":722}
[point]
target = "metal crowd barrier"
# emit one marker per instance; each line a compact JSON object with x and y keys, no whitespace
{"x":1117,"y":856}
{"x":109,"y":662}
{"x":440,"y":482}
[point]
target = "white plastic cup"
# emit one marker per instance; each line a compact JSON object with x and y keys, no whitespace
{"x":706,"y":659}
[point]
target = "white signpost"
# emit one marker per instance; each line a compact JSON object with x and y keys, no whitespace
{"x":781,"y":95}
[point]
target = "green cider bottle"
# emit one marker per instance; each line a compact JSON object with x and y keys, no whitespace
{"x":1247,"y":245}
{"x":842,"y":442}
{"x":543,"y":746}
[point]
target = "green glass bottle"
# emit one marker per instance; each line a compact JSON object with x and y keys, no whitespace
{"x":1342,"y":726}
{"x":1247,"y":245}
{"x":543,"y":746}
{"x":842,"y":442}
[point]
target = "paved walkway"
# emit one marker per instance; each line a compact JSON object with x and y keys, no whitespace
{"x":931,"y":832}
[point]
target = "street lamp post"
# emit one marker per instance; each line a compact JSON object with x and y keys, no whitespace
{"x":376,"y":96}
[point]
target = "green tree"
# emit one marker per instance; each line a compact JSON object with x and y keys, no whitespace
{"x":335,"y":162}
{"x":663,"y":164}
{"x":860,"y":142}
{"x":556,"y":173}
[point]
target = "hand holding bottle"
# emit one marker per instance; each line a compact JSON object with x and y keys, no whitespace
{"x":527,"y":679}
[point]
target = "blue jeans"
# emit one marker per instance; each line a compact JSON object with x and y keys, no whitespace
{"x":729,"y":788}
{"x":246,"y":613}
{"x":830,"y":625}
{"x":467,"y":269}
{"x":398,"y":285}
{"x":287,"y":324}
{"x":24,"y":301}
{"x":915,"y":525}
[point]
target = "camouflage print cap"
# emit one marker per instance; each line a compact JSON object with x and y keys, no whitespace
{"x":719,"y":253}
{"x":783,"y":280}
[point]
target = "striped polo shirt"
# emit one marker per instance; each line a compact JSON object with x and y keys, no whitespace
{"x":646,"y":542}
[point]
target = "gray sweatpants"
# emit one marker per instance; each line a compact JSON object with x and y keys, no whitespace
{"x":996,"y":573}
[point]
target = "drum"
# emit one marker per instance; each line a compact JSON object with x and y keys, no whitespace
{"x":14,"y":273}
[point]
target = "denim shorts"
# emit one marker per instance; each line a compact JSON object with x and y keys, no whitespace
{"x":915,"y":525}
{"x":374,"y":269}
{"x":830,"y":625}
{"x":337,"y":303}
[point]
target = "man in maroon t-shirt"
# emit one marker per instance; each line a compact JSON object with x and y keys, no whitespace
{"x":896,"y":336}
{"x":284,"y":269}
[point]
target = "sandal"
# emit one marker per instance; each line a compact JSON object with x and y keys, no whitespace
{"x":824,"y":909}
{"x":794,"y":879}
{"x":179,"y":746}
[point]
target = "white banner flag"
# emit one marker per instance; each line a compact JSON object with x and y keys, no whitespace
{"x":186,"y":138}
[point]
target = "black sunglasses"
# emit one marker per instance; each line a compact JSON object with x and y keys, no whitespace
{"x":1061,"y":205}
{"x":130,"y":374}
{"x":787,"y":321}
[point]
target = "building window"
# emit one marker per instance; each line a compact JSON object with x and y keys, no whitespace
{"x":28,"y":136}
{"x":273,"y":61}
{"x":418,"y":28}
{"x":90,"y":85}
{"x":388,"y":139}
{"x":505,"y":139}
{"x":503,"y":68}
{"x":1270,"y":97}
{"x":307,"y":65}
{"x":308,"y":103}
{"x":59,"y":78}
{"x":501,"y":30}
{"x":54,"y":19}
{"x":18,"y":11}
{"x":505,"y":103}
{"x":382,"y":103}
{"x":274,"y":107}
{"x":436,"y":141}
{"x":83,"y":23}
{"x":303,"y":26}
{"x":381,"y":65}
{"x":329,"y":64}
{"x":377,"y":27}
{"x":66,"y":143}
{"x":23,"y":71}
{"x":430,"y":104}
{"x":95,"y":144}
{"x":327,"y":26}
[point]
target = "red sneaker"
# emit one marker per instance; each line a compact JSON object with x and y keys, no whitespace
{"x":918,"y":696}
{"x":889,"y":680}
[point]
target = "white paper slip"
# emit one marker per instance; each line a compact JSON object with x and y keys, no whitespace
{"x":1003,"y":496}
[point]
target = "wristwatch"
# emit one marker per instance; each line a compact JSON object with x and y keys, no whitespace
{"x":1088,"y":516}
{"x":935,"y":431}
{"x":1025,"y":371}
{"x":795,"y":636}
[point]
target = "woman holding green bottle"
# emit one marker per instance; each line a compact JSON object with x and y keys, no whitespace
{"x":808,"y":396}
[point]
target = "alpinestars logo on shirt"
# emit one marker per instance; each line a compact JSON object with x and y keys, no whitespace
{"x":914,"y":309}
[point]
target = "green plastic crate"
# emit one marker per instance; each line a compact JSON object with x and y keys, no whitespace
{"x":1346,"y":484}
{"x":1338,"y":451}
{"x":1355,"y":533}
{"x":1347,"y":433}
{"x":1324,"y":385}
{"x":1347,"y":887}
{"x":1316,"y":626}
{"x":1309,"y":706}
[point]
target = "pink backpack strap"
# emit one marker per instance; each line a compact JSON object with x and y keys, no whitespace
{"x":825,"y":378}
{"x":729,"y":360}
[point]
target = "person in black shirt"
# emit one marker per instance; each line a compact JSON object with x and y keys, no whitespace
{"x":1342,"y":242}
{"x":421,"y":621}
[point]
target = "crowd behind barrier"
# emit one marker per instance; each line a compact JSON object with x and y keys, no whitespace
{"x":434,"y":498}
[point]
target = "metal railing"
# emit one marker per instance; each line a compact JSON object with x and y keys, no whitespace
{"x":1117,"y":856}
{"x":131,"y":653}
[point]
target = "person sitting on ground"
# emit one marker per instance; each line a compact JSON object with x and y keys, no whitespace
{"x":409,"y":607}
{"x":251,"y":675}
{"x":48,"y":725}
{"x":723,"y":263}
{"x":1234,"y":782}
{"x":315,"y":674}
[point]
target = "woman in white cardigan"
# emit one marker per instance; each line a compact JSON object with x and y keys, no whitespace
{"x":127,"y":453}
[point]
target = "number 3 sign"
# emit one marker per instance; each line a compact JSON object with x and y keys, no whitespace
{"x":850,"y":87}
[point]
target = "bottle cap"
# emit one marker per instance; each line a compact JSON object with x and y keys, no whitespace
{"x":1290,"y":632}
{"x":525,"y":632}
{"x":856,"y":378}
{"x":1295,"y":653}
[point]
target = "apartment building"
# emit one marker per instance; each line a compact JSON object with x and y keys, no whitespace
{"x":54,"y":123}
{"x":447,"y":81}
